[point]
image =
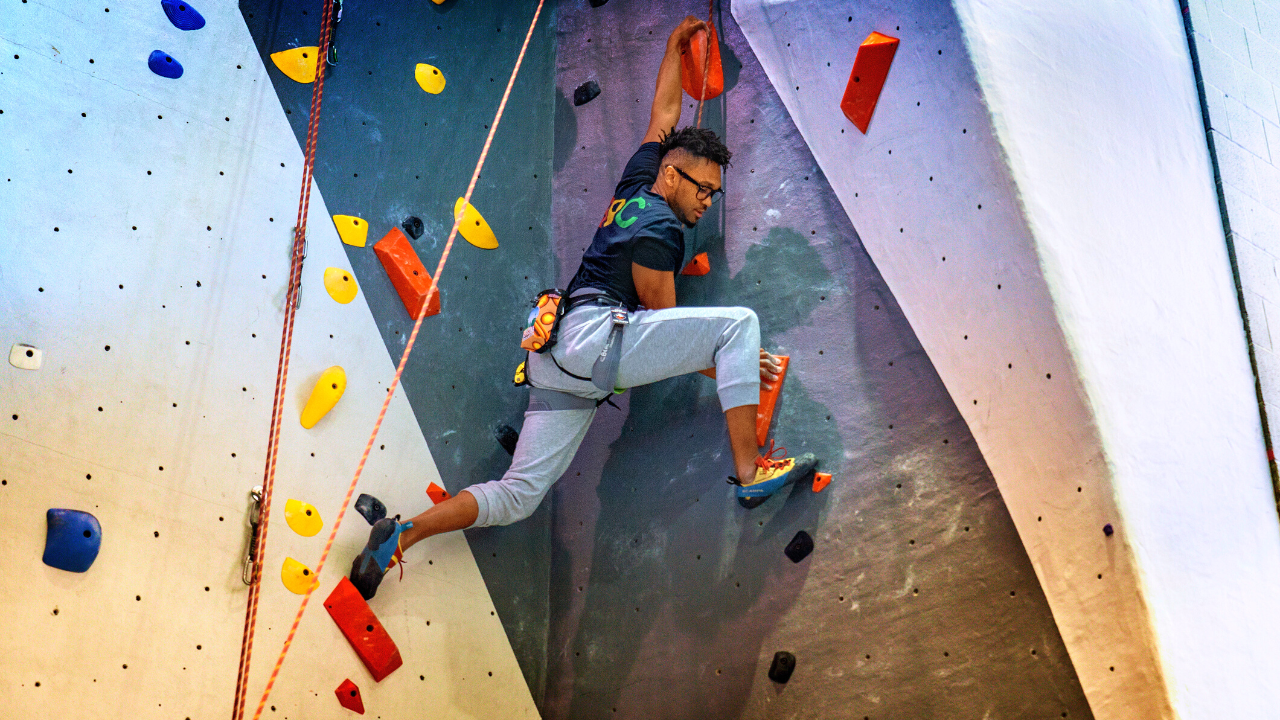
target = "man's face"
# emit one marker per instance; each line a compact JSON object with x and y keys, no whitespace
{"x":700,"y":177}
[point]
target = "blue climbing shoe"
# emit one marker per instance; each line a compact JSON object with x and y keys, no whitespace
{"x":378,"y":555}
{"x":772,"y":474}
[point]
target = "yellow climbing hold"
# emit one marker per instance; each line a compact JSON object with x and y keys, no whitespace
{"x":328,"y":389}
{"x":298,"y":64}
{"x":429,"y":78}
{"x":303,"y":517}
{"x":340,"y":284}
{"x":352,"y":230}
{"x":297,"y":578}
{"x":474,"y":229}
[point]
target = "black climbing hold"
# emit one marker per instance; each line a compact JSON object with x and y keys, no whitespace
{"x":752,"y":502}
{"x":73,"y":540}
{"x":164,"y":65}
{"x":1108,"y":530}
{"x":182,"y":15}
{"x":371,"y":508}
{"x":507,"y":438}
{"x":784,"y":663}
{"x":412,"y":227}
{"x":799,"y":547}
{"x":586,"y":92}
{"x":598,"y":3}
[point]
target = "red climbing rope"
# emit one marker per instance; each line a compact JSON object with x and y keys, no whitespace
{"x":404,"y":357}
{"x":282,"y":365}
{"x":706,"y":62}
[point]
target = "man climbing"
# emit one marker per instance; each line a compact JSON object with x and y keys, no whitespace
{"x":622,"y":330}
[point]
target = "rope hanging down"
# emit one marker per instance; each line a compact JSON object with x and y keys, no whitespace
{"x":706,"y":61}
{"x":282,"y":366}
{"x":404,"y":357}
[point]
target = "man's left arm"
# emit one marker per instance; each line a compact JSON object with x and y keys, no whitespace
{"x":665,"y":112}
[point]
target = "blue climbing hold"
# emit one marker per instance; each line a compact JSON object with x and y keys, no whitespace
{"x":182,"y":15}
{"x":164,"y":65}
{"x":73,"y":540}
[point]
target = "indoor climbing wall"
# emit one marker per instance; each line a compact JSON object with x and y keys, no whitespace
{"x":389,"y":149}
{"x":669,"y":600}
{"x":1056,"y":245}
{"x":149,"y":219}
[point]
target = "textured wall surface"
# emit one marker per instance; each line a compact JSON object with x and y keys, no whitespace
{"x":145,"y":226}
{"x":1238,"y":48}
{"x":387,"y":150}
{"x":668,"y":599}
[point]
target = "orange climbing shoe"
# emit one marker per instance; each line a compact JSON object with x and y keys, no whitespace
{"x":772,"y":474}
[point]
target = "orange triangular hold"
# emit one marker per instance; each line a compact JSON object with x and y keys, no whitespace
{"x":768,"y":400}
{"x":820,"y":481}
{"x":692,"y":61}
{"x":699,"y":265}
{"x":407,"y":273}
{"x":870,"y":68}
{"x":437,"y":493}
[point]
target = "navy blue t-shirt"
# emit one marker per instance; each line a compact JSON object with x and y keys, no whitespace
{"x":638,"y":227}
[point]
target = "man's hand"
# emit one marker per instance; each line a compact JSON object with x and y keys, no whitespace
{"x":769,"y":369}
{"x":685,"y":30}
{"x":665,"y":112}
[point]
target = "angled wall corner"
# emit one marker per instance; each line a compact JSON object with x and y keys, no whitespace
{"x":1103,"y":376}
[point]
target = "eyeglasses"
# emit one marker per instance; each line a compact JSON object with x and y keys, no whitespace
{"x":703,"y":191}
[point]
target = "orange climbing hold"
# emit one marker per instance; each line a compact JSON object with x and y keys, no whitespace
{"x":699,"y":265}
{"x":870,"y":68}
{"x":349,"y":696}
{"x":820,"y":481}
{"x":437,"y":493}
{"x":407,"y":273}
{"x":694,"y":59}
{"x":357,"y":622}
{"x":768,"y":400}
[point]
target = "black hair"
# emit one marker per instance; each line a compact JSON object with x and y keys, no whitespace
{"x":698,"y":142}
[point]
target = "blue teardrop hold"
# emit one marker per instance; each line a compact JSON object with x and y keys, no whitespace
{"x":73,"y":540}
{"x":164,"y":65}
{"x":182,"y":15}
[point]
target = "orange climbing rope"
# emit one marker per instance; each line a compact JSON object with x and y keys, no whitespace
{"x":258,"y":546}
{"x":706,"y":61}
{"x":404,"y":357}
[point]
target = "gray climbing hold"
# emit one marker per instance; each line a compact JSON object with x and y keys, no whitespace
{"x":799,"y":547}
{"x":784,"y":663}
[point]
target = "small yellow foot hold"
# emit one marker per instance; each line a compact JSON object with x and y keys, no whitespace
{"x":303,"y":517}
{"x":297,"y":578}
{"x":474,"y":229}
{"x":352,"y":230}
{"x":429,"y":78}
{"x":298,"y":64}
{"x":328,"y":389}
{"x":340,"y":284}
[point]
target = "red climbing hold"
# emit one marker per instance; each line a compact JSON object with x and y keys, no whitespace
{"x":349,"y":696}
{"x":407,"y":273}
{"x":768,"y":399}
{"x":820,"y":481}
{"x":357,"y":622}
{"x":699,"y":265}
{"x":692,"y":61}
{"x":870,"y":68}
{"x":437,"y":493}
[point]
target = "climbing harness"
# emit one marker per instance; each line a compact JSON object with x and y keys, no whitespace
{"x":286,"y":345}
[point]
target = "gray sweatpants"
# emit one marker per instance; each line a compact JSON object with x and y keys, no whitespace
{"x":656,"y":345}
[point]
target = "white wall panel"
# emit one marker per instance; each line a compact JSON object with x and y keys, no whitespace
{"x":163,"y":435}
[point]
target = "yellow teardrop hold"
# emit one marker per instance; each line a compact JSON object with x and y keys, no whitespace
{"x":328,"y":389}
{"x":303,"y":517}
{"x":352,"y":230}
{"x":429,"y":78}
{"x":341,"y":284}
{"x":297,"y":578}
{"x":474,"y":229}
{"x":298,"y":64}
